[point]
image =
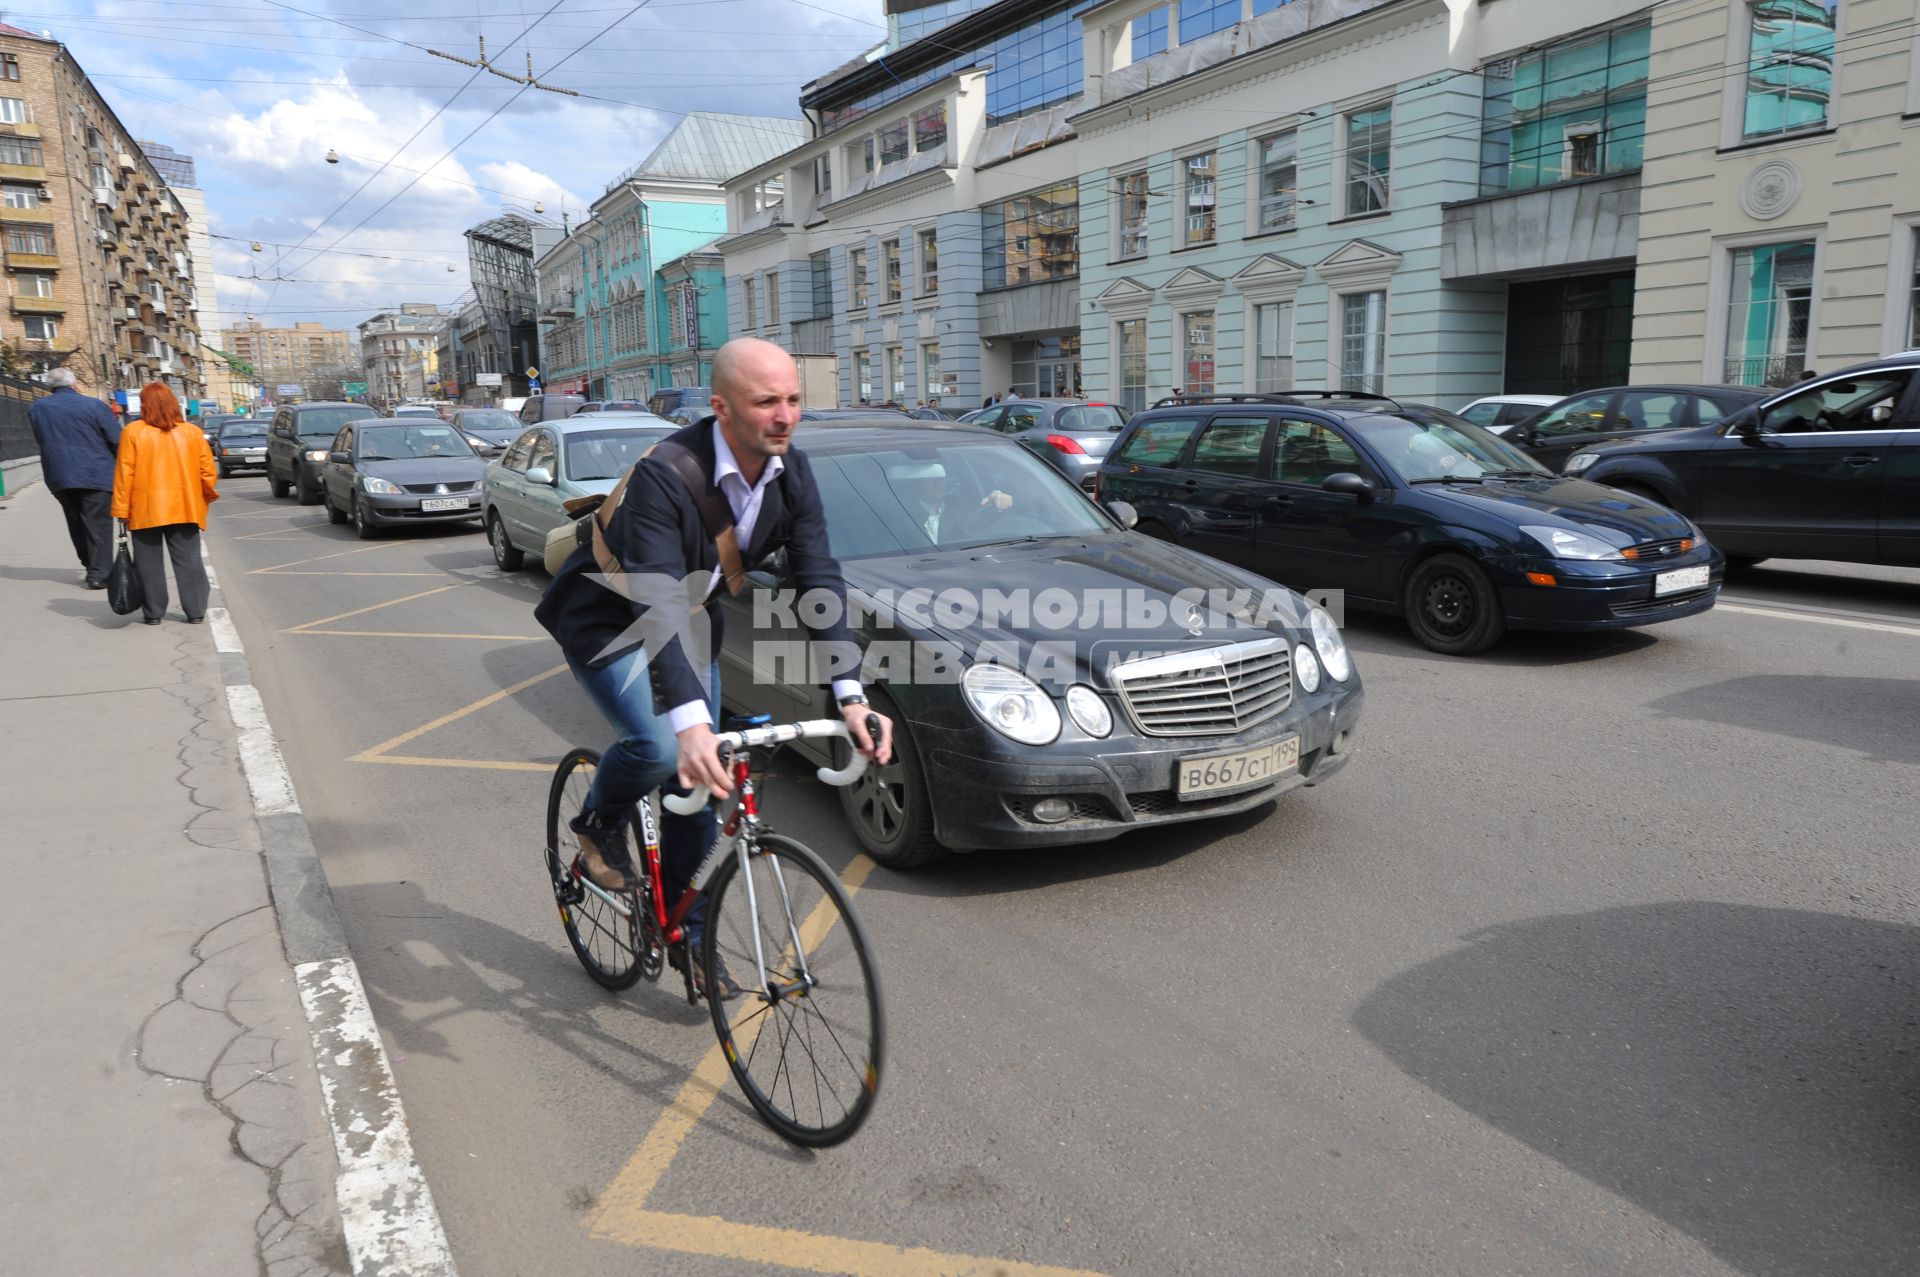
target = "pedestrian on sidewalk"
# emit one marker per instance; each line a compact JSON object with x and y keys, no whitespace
{"x":78,"y":436}
{"x":161,"y":488}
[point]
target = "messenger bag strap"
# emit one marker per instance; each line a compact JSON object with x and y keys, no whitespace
{"x":716,"y":516}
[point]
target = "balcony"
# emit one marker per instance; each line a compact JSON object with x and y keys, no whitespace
{"x":32,"y":261}
{"x":1572,"y":225}
{"x":1767,"y":370}
{"x":38,"y":305}
{"x":23,"y":172}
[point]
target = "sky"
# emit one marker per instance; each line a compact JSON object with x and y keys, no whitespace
{"x":258,"y":92}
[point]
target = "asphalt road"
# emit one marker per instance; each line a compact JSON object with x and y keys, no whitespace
{"x":1601,"y":957}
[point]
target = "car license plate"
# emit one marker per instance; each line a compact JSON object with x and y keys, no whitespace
{"x":443,"y":503}
{"x":1218,"y":772}
{"x":1679,"y":579}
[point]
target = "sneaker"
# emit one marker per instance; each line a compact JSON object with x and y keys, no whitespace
{"x":604,"y":858}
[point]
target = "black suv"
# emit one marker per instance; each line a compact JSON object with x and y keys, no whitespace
{"x":1826,"y":469}
{"x":1406,"y":509}
{"x":1621,"y":412}
{"x":298,"y":443}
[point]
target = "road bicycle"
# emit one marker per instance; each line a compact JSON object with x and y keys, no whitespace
{"x":805,"y":1039}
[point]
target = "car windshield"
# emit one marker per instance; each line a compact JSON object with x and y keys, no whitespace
{"x":415,"y":412}
{"x":1090,"y":418}
{"x":607,"y":454}
{"x":489,"y":419}
{"x":920,"y":496}
{"x":396,"y":443}
{"x":1429,"y":445}
{"x":243,"y":427}
{"x":325,"y":423}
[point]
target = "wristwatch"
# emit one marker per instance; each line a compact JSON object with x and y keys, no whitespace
{"x":856,"y":699}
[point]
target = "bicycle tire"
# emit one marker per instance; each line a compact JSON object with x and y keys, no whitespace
{"x":846,"y":1053}
{"x":607,"y":944}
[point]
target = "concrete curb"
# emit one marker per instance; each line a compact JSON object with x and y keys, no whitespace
{"x":386,"y":1210}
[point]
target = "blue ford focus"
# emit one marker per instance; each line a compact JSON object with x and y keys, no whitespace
{"x":1409,"y":510}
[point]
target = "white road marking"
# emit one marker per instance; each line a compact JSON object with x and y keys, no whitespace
{"x":1818,"y":618}
{"x":225,"y":637}
{"x":260,"y":753}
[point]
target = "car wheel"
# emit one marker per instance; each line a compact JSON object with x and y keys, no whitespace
{"x":1451,"y":606}
{"x":1158,"y":531}
{"x":309,"y":495}
{"x":506,"y":555}
{"x":225,"y":473}
{"x":889,"y":807}
{"x":279,"y":486}
{"x":334,"y":514}
{"x":361,"y":527}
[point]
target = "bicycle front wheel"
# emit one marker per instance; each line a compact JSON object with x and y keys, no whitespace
{"x":605,"y":936}
{"x":807,"y":1046}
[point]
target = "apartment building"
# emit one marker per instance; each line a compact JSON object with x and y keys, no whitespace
{"x":1780,"y":226}
{"x":98,"y":263}
{"x":295,"y":356}
{"x":399,"y":351}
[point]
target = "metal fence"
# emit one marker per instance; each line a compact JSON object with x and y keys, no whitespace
{"x":1769,"y":370}
{"x":16,"y":435}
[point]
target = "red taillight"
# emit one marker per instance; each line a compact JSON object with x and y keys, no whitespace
{"x":1071,"y":447}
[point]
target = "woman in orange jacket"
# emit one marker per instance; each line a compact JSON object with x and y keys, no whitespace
{"x":162,"y":483}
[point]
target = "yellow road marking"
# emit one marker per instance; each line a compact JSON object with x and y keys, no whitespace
{"x":375,"y":755}
{"x":622,"y":1213}
{"x":365,"y":549}
{"x":431,"y":574}
{"x":496,"y":638}
{"x":362,"y":611}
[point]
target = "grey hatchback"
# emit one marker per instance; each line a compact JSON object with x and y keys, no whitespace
{"x":1071,"y":435}
{"x":386,"y":471}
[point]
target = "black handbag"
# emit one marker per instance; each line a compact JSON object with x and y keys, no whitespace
{"x":124,"y":593}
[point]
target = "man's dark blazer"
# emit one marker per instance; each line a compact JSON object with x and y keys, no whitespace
{"x":658,"y":534}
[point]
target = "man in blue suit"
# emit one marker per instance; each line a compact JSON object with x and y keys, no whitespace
{"x":657,"y":677}
{"x":79,"y":438}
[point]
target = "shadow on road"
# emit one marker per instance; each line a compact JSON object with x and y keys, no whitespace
{"x":1745,"y":1074}
{"x":502,"y":977}
{"x":1529,"y":649}
{"x":1787,"y":580}
{"x":1875,"y":716}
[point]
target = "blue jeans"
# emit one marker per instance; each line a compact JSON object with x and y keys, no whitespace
{"x":646,"y":757}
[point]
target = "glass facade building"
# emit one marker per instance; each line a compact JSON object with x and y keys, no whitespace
{"x":1571,"y":110}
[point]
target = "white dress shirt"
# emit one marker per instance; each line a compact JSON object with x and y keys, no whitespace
{"x":745,"y":501}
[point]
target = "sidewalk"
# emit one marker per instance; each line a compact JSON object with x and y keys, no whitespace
{"x":163,"y":1110}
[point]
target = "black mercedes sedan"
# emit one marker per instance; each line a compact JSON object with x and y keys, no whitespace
{"x":1056,"y":676}
{"x":385,"y":472}
{"x":1827,"y":469}
{"x":1410,"y":510}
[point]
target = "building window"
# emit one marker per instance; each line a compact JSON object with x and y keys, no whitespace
{"x":1047,"y":367}
{"x":14,"y":111}
{"x":773,"y":299}
{"x":1196,"y":352}
{"x":930,"y":380}
{"x":1913,"y":299}
{"x":1032,"y":238}
{"x":21,"y":150}
{"x":1573,"y":109}
{"x":896,"y":375}
{"x":929,"y":263}
{"x":890,"y":257}
{"x":893,"y":142}
{"x":1789,"y":65}
{"x":9,"y":67}
{"x":866,"y":154}
{"x":22,"y":238}
{"x":1198,"y":197}
{"x":823,"y":177}
{"x":1132,"y":190}
{"x":1363,"y":342}
{"x":1204,"y":17}
{"x":39,"y":328}
{"x":1369,"y":159}
{"x":1130,"y":340}
{"x":1268,"y":6}
{"x":749,"y":303}
{"x":820,"y":270}
{"x":1039,"y":64}
{"x":857,"y":276}
{"x":930,"y":128}
{"x":1150,"y":34}
{"x":1273,"y":346}
{"x":1769,"y":307}
{"x":20,"y":196}
{"x":34,"y":284}
{"x":863,"y":376}
{"x":1279,"y":160}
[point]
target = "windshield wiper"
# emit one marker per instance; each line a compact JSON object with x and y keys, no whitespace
{"x":1515,"y":474}
{"x":1452,"y":478}
{"x":1030,"y":538}
{"x":374,"y":457}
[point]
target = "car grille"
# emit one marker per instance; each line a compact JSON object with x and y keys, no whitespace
{"x":1660,"y":549}
{"x":1214,"y":692}
{"x":436,"y":489}
{"x":1644,"y":607}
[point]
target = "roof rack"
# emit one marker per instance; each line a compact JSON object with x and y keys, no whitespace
{"x":1275,"y":396}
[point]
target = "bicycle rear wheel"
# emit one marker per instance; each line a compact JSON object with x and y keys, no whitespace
{"x":808,"y":1058}
{"x":605,"y":936}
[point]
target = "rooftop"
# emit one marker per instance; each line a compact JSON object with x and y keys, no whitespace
{"x":709,"y":146}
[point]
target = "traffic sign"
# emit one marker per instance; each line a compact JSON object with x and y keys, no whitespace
{"x":533,"y":373}
{"x":352,"y":388}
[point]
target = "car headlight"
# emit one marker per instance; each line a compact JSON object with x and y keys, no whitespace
{"x":476,"y":442}
{"x":1580,"y":461}
{"x":1327,"y":642}
{"x":374,"y":483}
{"x":1088,"y":711}
{"x":317,"y":454}
{"x":1011,"y":703}
{"x":1564,"y":543}
{"x":1306,"y":670}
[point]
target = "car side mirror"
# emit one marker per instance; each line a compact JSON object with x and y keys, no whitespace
{"x":1349,"y":483}
{"x":1521,"y":434}
{"x":1123,"y":513}
{"x":540,"y":475}
{"x":340,"y":458}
